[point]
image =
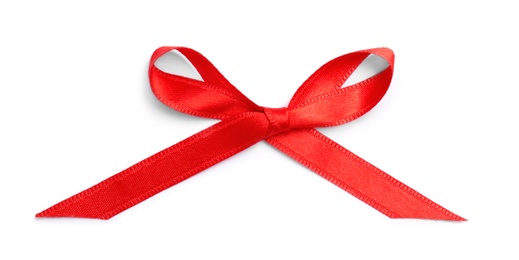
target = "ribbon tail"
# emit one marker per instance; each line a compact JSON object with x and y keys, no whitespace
{"x":164,"y":169}
{"x":358,"y":177}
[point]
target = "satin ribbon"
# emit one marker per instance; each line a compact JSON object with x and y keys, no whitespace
{"x":319,"y":102}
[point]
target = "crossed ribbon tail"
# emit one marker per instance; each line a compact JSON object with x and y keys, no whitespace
{"x":320,"y":101}
{"x":358,"y":177}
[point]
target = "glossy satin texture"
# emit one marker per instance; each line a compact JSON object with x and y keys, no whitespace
{"x":319,"y":102}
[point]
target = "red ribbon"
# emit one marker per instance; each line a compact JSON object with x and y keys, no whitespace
{"x":319,"y":102}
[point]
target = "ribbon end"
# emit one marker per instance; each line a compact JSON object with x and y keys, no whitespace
{"x":458,"y":218}
{"x":47,"y":214}
{"x":44,"y":214}
{"x":448,"y":217}
{"x":60,"y":212}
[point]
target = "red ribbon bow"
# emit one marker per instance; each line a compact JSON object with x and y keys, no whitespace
{"x":319,"y":102}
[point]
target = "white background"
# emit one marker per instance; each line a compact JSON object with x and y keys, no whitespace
{"x":76,"y":108}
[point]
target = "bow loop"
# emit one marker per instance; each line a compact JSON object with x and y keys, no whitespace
{"x":214,"y":97}
{"x":321,"y":100}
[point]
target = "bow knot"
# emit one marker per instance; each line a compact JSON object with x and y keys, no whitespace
{"x":278,"y":120}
